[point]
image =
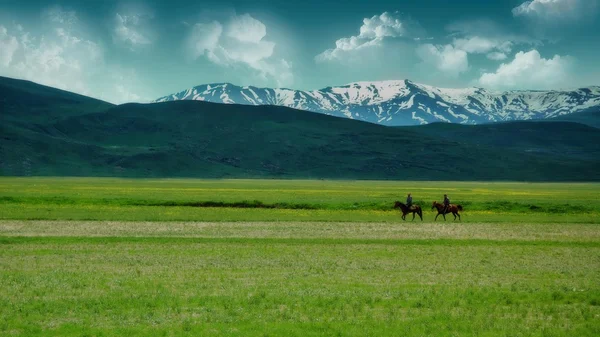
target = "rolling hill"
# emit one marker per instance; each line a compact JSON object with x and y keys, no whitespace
{"x":71,"y":135}
{"x":560,"y":140}
{"x":29,"y":102}
{"x":589,"y":117}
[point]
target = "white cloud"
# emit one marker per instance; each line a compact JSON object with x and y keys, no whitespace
{"x":245,"y":28}
{"x":486,"y":37}
{"x":529,"y":70}
{"x":373,"y":33}
{"x":58,"y":15}
{"x":488,"y":30}
{"x":447,"y":59}
{"x":128,"y":29}
{"x":240,"y":42}
{"x":495,"y":49}
{"x":480,"y":45}
{"x":63,"y":58}
{"x":204,"y":39}
{"x":347,"y":48}
{"x":388,"y":25}
{"x":552,"y":10}
{"x":496,"y":56}
{"x":475,"y":44}
{"x":8,"y":46}
{"x":58,"y":58}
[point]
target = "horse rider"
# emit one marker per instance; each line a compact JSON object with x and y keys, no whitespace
{"x":409,"y":201}
{"x":446,"y":204}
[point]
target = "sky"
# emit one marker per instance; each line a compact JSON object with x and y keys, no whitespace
{"x":137,"y":51}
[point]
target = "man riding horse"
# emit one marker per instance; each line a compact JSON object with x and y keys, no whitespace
{"x":446,"y":208}
{"x":409,"y":208}
{"x":446,"y":203}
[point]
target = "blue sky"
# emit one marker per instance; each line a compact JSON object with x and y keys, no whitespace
{"x":123,"y":51}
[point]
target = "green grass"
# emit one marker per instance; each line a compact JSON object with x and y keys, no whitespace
{"x":295,"y":258}
{"x":288,"y":200}
{"x":298,"y":279}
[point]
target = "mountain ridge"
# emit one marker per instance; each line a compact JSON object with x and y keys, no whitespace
{"x":52,"y":133}
{"x":404,"y":102}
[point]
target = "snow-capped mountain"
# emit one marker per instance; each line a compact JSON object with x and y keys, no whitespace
{"x":405,"y":102}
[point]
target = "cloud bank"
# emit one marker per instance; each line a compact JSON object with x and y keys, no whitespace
{"x":529,"y":70}
{"x":63,"y":58}
{"x":129,"y":30}
{"x":375,"y":32}
{"x":240,"y":42}
{"x":446,"y":59}
{"x":552,"y":10}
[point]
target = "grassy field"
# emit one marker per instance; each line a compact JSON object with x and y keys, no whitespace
{"x":298,"y":279}
{"x":281,"y":200}
{"x":329,"y":259}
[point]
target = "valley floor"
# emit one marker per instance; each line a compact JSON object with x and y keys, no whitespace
{"x":125,"y":257}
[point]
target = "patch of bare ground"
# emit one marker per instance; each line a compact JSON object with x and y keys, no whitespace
{"x":308,"y":230}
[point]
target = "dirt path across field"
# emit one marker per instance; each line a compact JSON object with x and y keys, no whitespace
{"x":309,"y":230}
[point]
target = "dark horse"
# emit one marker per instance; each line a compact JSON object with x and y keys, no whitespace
{"x":406,"y":210}
{"x":451,"y":209}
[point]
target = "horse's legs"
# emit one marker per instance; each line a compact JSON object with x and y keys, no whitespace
{"x":444,"y":214}
{"x":413,"y":216}
{"x":458,"y":216}
{"x":436,"y":216}
{"x":454,"y":216}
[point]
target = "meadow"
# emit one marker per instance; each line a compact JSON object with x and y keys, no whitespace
{"x":288,"y":200}
{"x":116,"y":257}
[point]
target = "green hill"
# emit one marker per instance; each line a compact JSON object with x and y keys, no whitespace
{"x":587,"y":117}
{"x":559,"y":140}
{"x":29,"y":102}
{"x":71,"y":135}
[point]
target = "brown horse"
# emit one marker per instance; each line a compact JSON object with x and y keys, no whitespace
{"x":406,"y":210}
{"x":451,"y":209}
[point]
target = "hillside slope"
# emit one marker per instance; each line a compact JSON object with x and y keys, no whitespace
{"x":588,"y":117}
{"x":207,"y":140}
{"x":557,"y":139}
{"x":30,"y":102}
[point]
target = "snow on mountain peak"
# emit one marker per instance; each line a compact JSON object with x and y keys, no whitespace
{"x":403,"y":102}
